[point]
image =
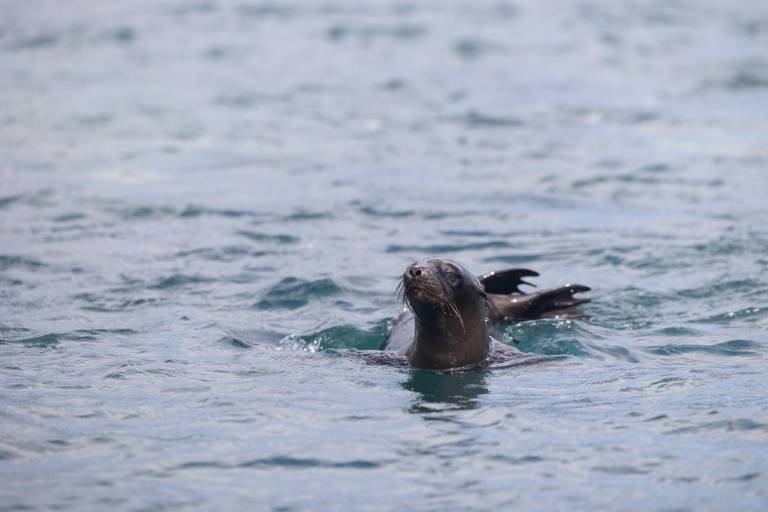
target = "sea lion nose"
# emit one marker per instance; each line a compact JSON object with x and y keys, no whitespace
{"x":413,"y":271}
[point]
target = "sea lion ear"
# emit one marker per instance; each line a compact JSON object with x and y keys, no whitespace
{"x":505,"y":282}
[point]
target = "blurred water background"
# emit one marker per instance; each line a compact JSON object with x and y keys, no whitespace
{"x":204,"y":206}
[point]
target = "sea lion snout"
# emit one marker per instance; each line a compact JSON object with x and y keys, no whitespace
{"x":422,"y":284}
{"x":413,"y":271}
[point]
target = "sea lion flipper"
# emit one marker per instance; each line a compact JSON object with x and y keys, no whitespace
{"x":504,"y":282}
{"x":546,"y":303}
{"x":557,"y":301}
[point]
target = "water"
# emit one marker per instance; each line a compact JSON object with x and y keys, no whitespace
{"x":204,"y":207}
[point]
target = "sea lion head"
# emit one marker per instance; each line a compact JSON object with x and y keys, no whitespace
{"x":445,"y":298}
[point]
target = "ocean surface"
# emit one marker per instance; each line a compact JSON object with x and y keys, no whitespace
{"x":205,"y":206}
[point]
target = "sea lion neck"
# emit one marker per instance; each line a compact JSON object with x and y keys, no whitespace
{"x":435,"y":328}
{"x":438,"y":346}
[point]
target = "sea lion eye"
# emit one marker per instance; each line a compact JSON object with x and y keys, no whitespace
{"x":453,"y":277}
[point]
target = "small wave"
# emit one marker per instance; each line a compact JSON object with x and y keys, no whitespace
{"x":474,"y":119}
{"x":7,"y":261}
{"x":267,"y":10}
{"x":226,"y":253}
{"x":377,"y":212}
{"x":293,"y":293}
{"x":246,"y":99}
{"x":9,"y":200}
{"x":669,"y":382}
{"x":305,"y":215}
{"x":514,"y":259}
{"x":7,"y":455}
{"x":197,"y":211}
{"x":339,"y":337}
{"x":36,"y":42}
{"x":515,"y":461}
{"x":69,"y":217}
{"x":734,"y":286}
{"x":621,"y":470}
{"x":367,"y":33}
{"x":145,"y":212}
{"x":106,"y":304}
{"x":473,"y":49}
{"x":727,"y":348}
{"x":752,"y":75}
{"x":128,"y":370}
{"x":675,"y":331}
{"x":282,"y":462}
{"x":616,"y":352}
{"x":188,"y":212}
{"x":550,"y":337}
{"x":446,"y":248}
{"x":21,"y":336}
{"x":44,"y":340}
{"x":750,"y":313}
{"x":467,"y":233}
{"x":737,"y":425}
{"x":177,"y":281}
{"x":262,"y":237}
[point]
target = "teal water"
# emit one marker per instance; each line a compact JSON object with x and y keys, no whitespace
{"x":204,"y":207}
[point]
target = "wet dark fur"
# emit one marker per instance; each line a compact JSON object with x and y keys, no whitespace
{"x":450,"y":315}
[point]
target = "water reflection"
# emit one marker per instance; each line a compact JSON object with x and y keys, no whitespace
{"x":441,"y":391}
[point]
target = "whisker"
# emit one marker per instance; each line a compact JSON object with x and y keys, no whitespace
{"x":400,"y":292}
{"x":456,"y":312}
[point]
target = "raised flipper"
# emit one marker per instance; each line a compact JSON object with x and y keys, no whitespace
{"x":504,"y":282}
{"x":512,"y":305}
{"x":555,"y":302}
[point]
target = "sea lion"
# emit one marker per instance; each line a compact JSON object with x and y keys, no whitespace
{"x":451,"y":314}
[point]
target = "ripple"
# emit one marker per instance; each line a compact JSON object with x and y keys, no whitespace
{"x":282,"y":462}
{"x":750,"y":313}
{"x":553,"y":337}
{"x":472,"y":233}
{"x":616,"y":352}
{"x":744,"y":478}
{"x":9,"y":200}
{"x":130,"y":369}
{"x":515,"y":259}
{"x":293,"y":293}
{"x":340,"y":337}
{"x":621,"y":470}
{"x":726,"y":348}
{"x":474,"y":119}
{"x":191,"y":211}
{"x":7,"y":261}
{"x":145,"y":212}
{"x":473,"y":49}
{"x":675,"y":331}
{"x":751,"y":76}
{"x":36,"y":42}
{"x":107,"y":304}
{"x":378,"y":212}
{"x":367,"y":33}
{"x":262,"y":237}
{"x":516,"y":461}
{"x":178,"y":281}
{"x":446,"y":248}
{"x":226,"y":253}
{"x":7,"y":455}
{"x":266,"y":10}
{"x":53,"y":338}
{"x":69,"y":217}
{"x":44,"y":340}
{"x":737,"y":425}
{"x":305,"y":215}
